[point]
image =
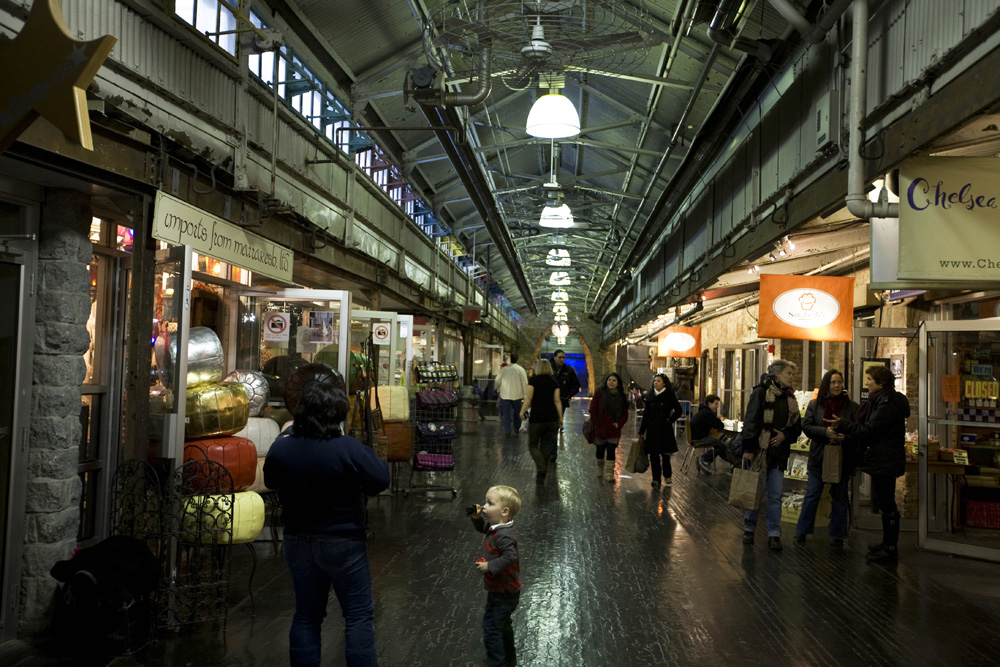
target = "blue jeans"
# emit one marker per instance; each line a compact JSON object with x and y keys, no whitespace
{"x":510,"y":415}
{"x":773,"y":481}
{"x":838,"y":514}
{"x":317,"y":563}
{"x":498,"y":632}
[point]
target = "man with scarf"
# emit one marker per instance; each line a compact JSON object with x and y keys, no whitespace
{"x":770,"y":427}
{"x":880,"y":427}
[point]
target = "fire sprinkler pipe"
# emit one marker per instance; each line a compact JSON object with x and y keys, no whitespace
{"x":857,"y":200}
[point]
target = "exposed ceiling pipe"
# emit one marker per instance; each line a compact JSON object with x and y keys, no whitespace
{"x":857,"y":198}
{"x":625,"y":276}
{"x":447,"y":98}
{"x":722,"y":30}
{"x":677,"y":320}
{"x":811,"y":32}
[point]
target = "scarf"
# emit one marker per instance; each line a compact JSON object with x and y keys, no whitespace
{"x":865,"y":409}
{"x":774,"y":393}
{"x":833,"y":406}
{"x":612,"y":403}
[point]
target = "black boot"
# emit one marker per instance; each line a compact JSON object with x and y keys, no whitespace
{"x":890,"y":538}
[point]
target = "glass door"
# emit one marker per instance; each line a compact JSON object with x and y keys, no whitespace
{"x":740,"y":367}
{"x":896,"y":349}
{"x":279,"y":332}
{"x":17,"y":315}
{"x":958,"y":444}
{"x":393,"y":334}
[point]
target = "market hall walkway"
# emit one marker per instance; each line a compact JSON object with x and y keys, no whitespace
{"x":618,"y":575}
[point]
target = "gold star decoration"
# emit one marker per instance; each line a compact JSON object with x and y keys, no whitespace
{"x":46,"y":72}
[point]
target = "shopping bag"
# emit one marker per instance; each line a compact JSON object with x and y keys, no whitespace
{"x":638,"y":460}
{"x":588,"y":431}
{"x":833,"y":462}
{"x":744,"y":491}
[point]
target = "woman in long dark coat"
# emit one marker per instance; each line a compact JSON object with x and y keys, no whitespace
{"x":832,"y":403}
{"x":880,"y":427}
{"x":657,"y":427}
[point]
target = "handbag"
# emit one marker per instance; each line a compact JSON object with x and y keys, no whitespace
{"x":638,"y":460}
{"x":744,"y":490}
{"x":588,"y":431}
{"x":833,"y":463}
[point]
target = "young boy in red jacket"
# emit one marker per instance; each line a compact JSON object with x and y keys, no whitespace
{"x":501,"y":572}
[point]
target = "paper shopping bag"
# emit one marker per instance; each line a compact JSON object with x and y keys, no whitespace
{"x":638,"y":460}
{"x":833,"y":462}
{"x":744,"y":491}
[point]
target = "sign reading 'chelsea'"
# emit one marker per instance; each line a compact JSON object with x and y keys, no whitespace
{"x":947,"y":220}
{"x":806,"y":308}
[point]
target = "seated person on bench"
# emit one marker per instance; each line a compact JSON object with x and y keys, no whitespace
{"x":705,"y":430}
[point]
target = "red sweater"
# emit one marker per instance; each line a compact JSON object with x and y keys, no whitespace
{"x":503,"y":573}
{"x":604,"y":423}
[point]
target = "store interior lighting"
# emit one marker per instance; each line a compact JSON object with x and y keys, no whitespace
{"x":553,"y":116}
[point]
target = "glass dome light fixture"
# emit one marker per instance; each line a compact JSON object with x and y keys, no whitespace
{"x":560,"y":330}
{"x":559,"y":278}
{"x":560,"y":295}
{"x":556,"y":217}
{"x":553,"y":116}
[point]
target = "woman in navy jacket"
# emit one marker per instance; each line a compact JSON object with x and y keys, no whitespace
{"x":657,"y":427}
{"x":322,"y":478}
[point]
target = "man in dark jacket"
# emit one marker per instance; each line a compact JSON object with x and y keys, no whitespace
{"x":569,"y":386}
{"x":702,"y":424}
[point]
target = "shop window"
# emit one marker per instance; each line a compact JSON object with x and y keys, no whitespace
{"x":210,"y":18}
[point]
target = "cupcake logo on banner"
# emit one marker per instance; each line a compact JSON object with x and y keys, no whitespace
{"x":806,"y":307}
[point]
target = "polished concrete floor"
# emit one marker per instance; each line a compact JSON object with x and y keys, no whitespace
{"x":614,"y":575}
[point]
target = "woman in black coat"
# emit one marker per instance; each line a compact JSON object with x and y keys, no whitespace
{"x":832,"y":403}
{"x":880,"y":428}
{"x":657,"y":428}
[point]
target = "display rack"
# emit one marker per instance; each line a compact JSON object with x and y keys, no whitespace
{"x":433,"y":417}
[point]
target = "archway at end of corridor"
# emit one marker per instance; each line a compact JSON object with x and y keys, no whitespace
{"x":578,"y":356}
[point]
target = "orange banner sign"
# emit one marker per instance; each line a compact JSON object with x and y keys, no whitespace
{"x":806,"y":307}
{"x":679,"y":342}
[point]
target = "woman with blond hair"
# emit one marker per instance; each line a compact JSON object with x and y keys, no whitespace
{"x":546,"y":415}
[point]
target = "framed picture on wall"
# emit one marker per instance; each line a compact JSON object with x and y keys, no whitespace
{"x":897,"y":364}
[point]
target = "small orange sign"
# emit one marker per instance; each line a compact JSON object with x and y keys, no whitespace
{"x":679,"y":342}
{"x":806,"y":308}
{"x":950,"y":386}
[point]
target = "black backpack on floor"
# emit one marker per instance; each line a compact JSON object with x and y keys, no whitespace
{"x":105,"y":605}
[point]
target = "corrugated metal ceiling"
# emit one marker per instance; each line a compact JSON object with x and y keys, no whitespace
{"x":627,"y":122}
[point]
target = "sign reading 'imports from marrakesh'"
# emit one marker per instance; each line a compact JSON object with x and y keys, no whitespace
{"x":179,"y":223}
{"x":679,"y":342}
{"x":948,"y":209}
{"x":806,"y":307}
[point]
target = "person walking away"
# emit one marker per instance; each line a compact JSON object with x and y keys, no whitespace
{"x":771,"y":425}
{"x":831,"y":403}
{"x":608,"y":413}
{"x":880,"y":428}
{"x":322,"y":478}
{"x":512,"y":386}
{"x":501,"y":570}
{"x":569,"y":386}
{"x":656,"y":429}
{"x":546,"y":415}
{"x":705,"y":425}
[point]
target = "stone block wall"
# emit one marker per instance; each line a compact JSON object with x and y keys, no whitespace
{"x":61,"y":338}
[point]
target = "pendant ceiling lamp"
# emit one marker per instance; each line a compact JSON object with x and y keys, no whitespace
{"x":553,"y":116}
{"x":556,"y":217}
